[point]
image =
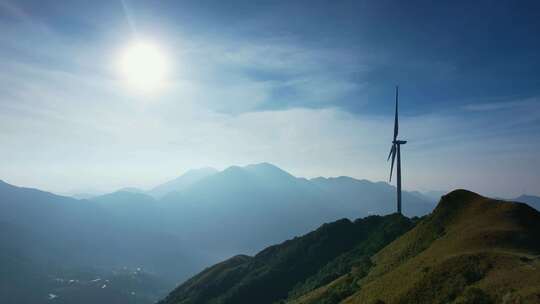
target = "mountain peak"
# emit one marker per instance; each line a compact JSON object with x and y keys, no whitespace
{"x":461,"y":194}
{"x":263,"y":166}
{"x":460,"y":207}
{"x":267,"y":169}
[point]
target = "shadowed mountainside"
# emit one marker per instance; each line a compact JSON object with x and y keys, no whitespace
{"x":47,"y":240}
{"x":471,"y":249}
{"x":275,"y":204}
{"x":321,"y":256}
{"x":209,"y":210}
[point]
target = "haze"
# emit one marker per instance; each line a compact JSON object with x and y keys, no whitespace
{"x":310,"y":91}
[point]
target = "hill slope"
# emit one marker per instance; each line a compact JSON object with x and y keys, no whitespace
{"x":470,"y":250}
{"x":182,"y":182}
{"x":274,"y":272}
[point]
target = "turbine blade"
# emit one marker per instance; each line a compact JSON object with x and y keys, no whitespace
{"x":396,"y":123}
{"x":392,"y":150}
{"x":393,"y":158}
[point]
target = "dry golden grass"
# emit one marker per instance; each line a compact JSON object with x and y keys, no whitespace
{"x":470,"y":250}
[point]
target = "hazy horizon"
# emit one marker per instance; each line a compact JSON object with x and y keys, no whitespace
{"x":150,"y":186}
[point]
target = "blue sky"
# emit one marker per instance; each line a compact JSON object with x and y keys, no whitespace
{"x":307,"y":85}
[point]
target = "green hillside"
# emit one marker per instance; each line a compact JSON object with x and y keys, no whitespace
{"x":295,"y":266}
{"x":470,"y":250}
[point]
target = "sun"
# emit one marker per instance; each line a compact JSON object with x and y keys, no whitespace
{"x":143,"y":66}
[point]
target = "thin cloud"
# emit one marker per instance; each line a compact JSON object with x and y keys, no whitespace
{"x":501,"y":105}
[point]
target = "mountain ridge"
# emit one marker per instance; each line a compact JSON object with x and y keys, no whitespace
{"x":450,"y":257}
{"x":466,"y":251}
{"x":238,"y":279}
{"x":277,"y":204}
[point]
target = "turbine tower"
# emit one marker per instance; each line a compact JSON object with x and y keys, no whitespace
{"x":396,"y":149}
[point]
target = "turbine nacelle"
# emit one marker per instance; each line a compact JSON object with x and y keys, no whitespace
{"x":399,"y":142}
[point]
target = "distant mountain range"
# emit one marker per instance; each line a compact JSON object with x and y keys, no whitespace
{"x":54,"y":247}
{"x":211,"y":209}
{"x":531,"y":200}
{"x":469,"y":250}
{"x":176,"y":229}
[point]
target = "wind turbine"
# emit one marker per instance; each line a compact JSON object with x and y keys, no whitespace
{"x":395,"y":149}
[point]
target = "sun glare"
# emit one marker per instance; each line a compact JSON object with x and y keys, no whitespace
{"x":143,"y":66}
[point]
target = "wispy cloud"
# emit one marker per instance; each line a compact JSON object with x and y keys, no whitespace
{"x":281,"y":74}
{"x":502,"y":105}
